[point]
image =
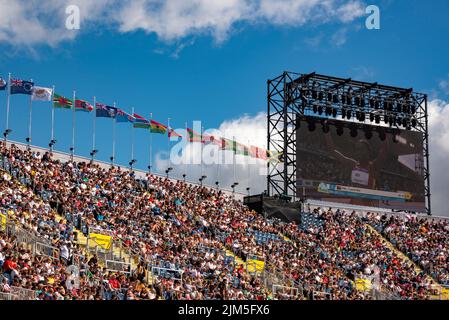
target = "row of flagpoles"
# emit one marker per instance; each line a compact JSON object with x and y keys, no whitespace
{"x":38,"y":93}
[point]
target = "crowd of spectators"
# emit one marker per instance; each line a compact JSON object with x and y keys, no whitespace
{"x":423,"y":240}
{"x":183,"y":233}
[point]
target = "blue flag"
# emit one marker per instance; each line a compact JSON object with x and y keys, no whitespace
{"x":18,"y":86}
{"x":104,"y":111}
{"x":3,"y":84}
{"x":122,"y":116}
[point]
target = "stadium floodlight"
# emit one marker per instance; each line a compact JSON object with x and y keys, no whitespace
{"x":349,"y":114}
{"x":372,"y":102}
{"x":6,"y":133}
{"x":325,"y":127}
{"x":131,"y":163}
{"x":382,"y":134}
{"x":320,"y":95}
{"x":353,"y":131}
{"x":51,"y":144}
{"x":314,"y":90}
{"x":340,"y":129}
{"x":368,"y":132}
{"x":93,"y":153}
{"x":311,"y":124}
{"x":349,"y":96}
{"x":201,"y":179}
{"x":377,"y":118}
{"x":335,"y":98}
{"x":168,"y":171}
{"x":362,"y":117}
{"x":334,"y":112}
{"x":235,"y":184}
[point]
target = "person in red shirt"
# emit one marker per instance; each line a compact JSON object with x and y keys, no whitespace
{"x":10,"y":268}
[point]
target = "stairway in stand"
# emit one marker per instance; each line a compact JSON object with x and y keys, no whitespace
{"x":417,"y":269}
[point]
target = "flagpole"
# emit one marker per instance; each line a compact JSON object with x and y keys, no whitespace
{"x":94,"y":127}
{"x":151,"y":145}
{"x":168,"y":143}
{"x":184,"y":175}
{"x":52,"y":142}
{"x":30,"y":119}
{"x":249,"y":168}
{"x":72,"y":149}
{"x":201,"y":152}
{"x":7,"y":108}
{"x":234,"y":147}
{"x":132,"y":141}
{"x":113,"y":138}
{"x":219,"y":156}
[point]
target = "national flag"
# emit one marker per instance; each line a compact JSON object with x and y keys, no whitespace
{"x":41,"y":94}
{"x":207,"y":139}
{"x":61,"y":102}
{"x":258,"y":153}
{"x":241,"y":149}
{"x":217,"y":141}
{"x":81,"y":105}
{"x":156,"y":127}
{"x":140,"y":122}
{"x":122,"y":116}
{"x":104,"y":111}
{"x":3,"y":84}
{"x":227,"y":144}
{"x":173,"y":133}
{"x":194,"y":136}
{"x":18,"y":86}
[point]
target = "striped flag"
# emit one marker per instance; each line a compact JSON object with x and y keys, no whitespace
{"x":140,"y":122}
{"x":194,"y":136}
{"x":156,"y":127}
{"x":81,"y":105}
{"x":61,"y":102}
{"x":173,"y":133}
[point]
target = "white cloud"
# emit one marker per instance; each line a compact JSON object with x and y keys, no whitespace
{"x":439,"y":155}
{"x":31,"y":22}
{"x":339,"y":38}
{"x":444,"y":86}
{"x":253,"y":128}
{"x":28,"y":23}
{"x":249,"y":130}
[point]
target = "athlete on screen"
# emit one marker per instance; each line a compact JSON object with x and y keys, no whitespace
{"x":364,"y":163}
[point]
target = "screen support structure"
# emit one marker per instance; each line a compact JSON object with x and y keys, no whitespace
{"x":292,"y":94}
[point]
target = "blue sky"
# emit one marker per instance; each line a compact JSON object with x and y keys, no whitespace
{"x":209,"y":75}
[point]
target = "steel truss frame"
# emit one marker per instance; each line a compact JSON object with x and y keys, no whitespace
{"x":291,"y":94}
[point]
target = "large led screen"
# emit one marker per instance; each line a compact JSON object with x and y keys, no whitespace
{"x":380,"y":170}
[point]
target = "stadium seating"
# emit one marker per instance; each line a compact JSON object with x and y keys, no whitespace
{"x":172,"y":240}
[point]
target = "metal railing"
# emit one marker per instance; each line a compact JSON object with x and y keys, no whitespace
{"x":46,"y":250}
{"x":118,"y":266}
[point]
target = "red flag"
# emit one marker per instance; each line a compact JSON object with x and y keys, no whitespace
{"x":173,"y":133}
